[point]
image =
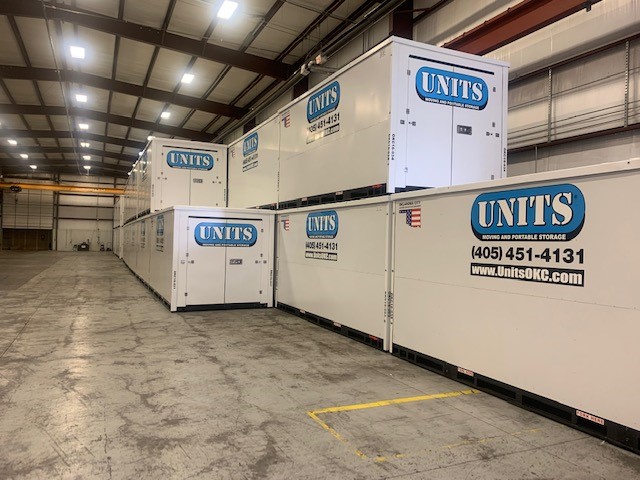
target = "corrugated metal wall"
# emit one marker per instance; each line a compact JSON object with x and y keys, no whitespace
{"x":70,"y":218}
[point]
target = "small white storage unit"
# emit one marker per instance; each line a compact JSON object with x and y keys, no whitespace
{"x":253,"y":167}
{"x":404,"y":115}
{"x":333,"y":266}
{"x":528,"y":287}
{"x":177,"y":172}
{"x":202,"y":257}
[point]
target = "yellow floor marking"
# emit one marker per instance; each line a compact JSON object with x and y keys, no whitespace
{"x":383,"y":403}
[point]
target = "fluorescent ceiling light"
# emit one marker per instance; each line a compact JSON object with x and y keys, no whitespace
{"x":187,"y":78}
{"x":83,"y":126}
{"x":85,"y":144}
{"x":33,"y":167}
{"x":165,"y":114}
{"x":81,"y":98}
{"x":24,"y":155}
{"x":76,"y":52}
{"x":86,"y":157}
{"x":87,"y":167}
{"x":227,"y":9}
{"x":12,"y":141}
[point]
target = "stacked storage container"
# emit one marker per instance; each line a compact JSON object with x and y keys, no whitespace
{"x":403,"y":116}
{"x":514,"y":286}
{"x":118,"y":220}
{"x":254,"y":166}
{"x":201,"y":257}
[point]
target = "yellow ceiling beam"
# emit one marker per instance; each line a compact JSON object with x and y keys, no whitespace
{"x":62,"y":188}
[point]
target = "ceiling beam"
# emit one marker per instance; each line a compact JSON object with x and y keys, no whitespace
{"x":145,"y":34}
{"x":69,"y":150}
{"x":514,"y":23}
{"x":54,"y":165}
{"x":62,"y":188}
{"x":96,"y":81}
{"x":82,"y":113}
{"x":80,"y":135}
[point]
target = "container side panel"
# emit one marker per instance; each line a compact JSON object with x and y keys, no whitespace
{"x":532,"y":284}
{"x":331,"y":263}
{"x":337,"y":137}
{"x":253,"y":167}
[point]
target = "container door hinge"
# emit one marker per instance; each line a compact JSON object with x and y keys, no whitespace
{"x":408,"y":72}
{"x":186,"y":294}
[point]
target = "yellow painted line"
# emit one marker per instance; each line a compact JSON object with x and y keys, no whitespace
{"x":335,"y":434}
{"x":395,"y":401}
{"x":313,"y":414}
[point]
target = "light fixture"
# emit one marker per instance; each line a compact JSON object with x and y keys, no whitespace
{"x":76,"y":52}
{"x":227,"y":9}
{"x":140,"y":153}
{"x":83,"y":126}
{"x":81,"y":98}
{"x":86,"y":157}
{"x":12,"y":142}
{"x":85,"y":144}
{"x":149,"y":138}
{"x":129,"y":173}
{"x":166,"y":114}
{"x":24,"y":155}
{"x":187,"y":78}
{"x":33,"y":167}
{"x":87,"y":167}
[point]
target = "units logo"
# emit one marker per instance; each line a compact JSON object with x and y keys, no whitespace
{"x":549,"y":213}
{"x":323,"y":101}
{"x":250,"y":144}
{"x":190,"y":160}
{"x":214,"y":234}
{"x":322,"y":224}
{"x":451,"y":88}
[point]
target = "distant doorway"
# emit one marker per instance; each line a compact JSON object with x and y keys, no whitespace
{"x":26,"y":239}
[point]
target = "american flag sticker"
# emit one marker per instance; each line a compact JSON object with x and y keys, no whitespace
{"x":285,"y":223}
{"x":414,"y":216}
{"x":286,"y":119}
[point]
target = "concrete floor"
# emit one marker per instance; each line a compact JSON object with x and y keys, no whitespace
{"x":99,"y":380}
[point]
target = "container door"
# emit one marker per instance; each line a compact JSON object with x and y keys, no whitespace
{"x":245,"y":263}
{"x":205,"y":262}
{"x":174,"y":179}
{"x":207,"y":186}
{"x":477,"y":134}
{"x":428,"y":126}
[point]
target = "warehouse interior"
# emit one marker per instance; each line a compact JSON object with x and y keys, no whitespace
{"x":101,"y":378}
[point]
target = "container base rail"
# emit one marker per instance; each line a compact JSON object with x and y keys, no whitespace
{"x":348,"y":332}
{"x":612,"y":432}
{"x":222,"y":306}
{"x":344,"y":196}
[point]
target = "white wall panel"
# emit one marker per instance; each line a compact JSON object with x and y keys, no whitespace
{"x":27,"y":209}
{"x":73,"y":232}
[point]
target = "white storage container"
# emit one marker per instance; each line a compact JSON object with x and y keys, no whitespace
{"x":253,"y":167}
{"x":177,"y":172}
{"x":531,"y":281}
{"x":403,"y":115}
{"x":117,"y":241}
{"x":201,"y":257}
{"x":118,"y":220}
{"x":333,"y":266}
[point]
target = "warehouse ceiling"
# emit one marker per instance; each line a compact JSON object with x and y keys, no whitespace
{"x":61,"y":113}
{"x":176,"y":69}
